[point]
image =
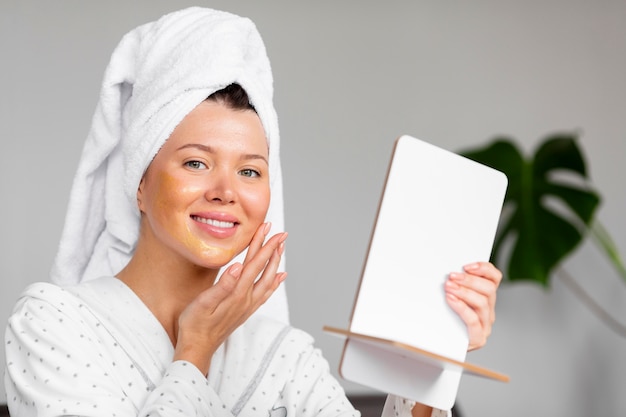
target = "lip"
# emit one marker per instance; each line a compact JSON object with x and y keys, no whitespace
{"x":216,"y":224}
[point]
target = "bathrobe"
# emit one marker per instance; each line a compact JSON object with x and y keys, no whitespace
{"x":94,"y":349}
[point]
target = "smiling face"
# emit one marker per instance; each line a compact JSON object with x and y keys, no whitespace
{"x":207,"y":190}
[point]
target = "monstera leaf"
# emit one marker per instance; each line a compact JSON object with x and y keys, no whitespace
{"x":549,"y":205}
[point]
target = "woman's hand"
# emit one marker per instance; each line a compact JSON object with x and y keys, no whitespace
{"x":211,"y":318}
{"x":472,"y":295}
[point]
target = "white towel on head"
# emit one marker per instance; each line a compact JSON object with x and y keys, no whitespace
{"x":158,"y":73}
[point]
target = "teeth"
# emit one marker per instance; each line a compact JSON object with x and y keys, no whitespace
{"x":215,"y":223}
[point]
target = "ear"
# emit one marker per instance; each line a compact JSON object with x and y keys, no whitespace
{"x":140,"y":203}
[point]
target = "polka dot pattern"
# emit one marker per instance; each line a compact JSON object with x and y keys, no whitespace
{"x":96,"y":350}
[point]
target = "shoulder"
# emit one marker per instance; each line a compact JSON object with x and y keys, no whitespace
{"x":48,"y":327}
{"x":42,"y":299}
{"x":45,"y":301}
{"x":46,"y":312}
{"x":41,"y":312}
{"x":42,"y":291}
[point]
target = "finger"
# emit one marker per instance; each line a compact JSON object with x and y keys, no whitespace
{"x":486,"y":270}
{"x":481,"y":274}
{"x":253,"y":267}
{"x":483,"y":305}
{"x":238,"y":283}
{"x":476,"y":331}
{"x":475,"y":282}
{"x":257,"y":240}
{"x":271,"y":268}
{"x":268,"y":282}
{"x":211,"y":298}
{"x":262,"y":297}
{"x":247,"y":298}
{"x":478,"y":284}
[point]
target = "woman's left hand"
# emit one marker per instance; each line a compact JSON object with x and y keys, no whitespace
{"x":472,"y":295}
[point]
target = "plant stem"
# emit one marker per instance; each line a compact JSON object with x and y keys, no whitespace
{"x":602,"y":238}
{"x":586,"y":299}
{"x":530,"y":227}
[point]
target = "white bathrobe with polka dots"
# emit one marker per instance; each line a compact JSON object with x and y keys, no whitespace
{"x":96,"y":350}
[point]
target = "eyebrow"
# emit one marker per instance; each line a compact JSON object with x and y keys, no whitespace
{"x":209,"y":149}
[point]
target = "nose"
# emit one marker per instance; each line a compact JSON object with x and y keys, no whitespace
{"x":221,"y":188}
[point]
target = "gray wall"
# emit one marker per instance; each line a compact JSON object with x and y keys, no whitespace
{"x":351,"y":76}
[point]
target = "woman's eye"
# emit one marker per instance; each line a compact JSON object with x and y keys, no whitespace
{"x":250,"y":173}
{"x":195,"y":165}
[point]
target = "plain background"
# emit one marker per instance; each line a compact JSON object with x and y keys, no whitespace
{"x":351,"y":76}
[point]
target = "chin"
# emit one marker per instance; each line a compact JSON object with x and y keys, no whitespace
{"x":215,"y":257}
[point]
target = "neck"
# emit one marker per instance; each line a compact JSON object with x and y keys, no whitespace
{"x":165,"y":284}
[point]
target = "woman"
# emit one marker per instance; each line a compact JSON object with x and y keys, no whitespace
{"x":171,"y":187}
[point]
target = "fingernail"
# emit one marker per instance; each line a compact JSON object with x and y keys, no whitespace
{"x":472,"y":266}
{"x":267,"y":228}
{"x":452,"y":297}
{"x":456,"y":276}
{"x":281,"y":276}
{"x":235,"y":270}
{"x":452,"y":285}
{"x":281,"y":248}
{"x":283,"y":237}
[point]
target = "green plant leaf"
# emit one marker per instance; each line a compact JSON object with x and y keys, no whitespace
{"x":548,"y":207}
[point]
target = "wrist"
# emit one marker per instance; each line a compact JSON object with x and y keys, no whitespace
{"x":197,"y":354}
{"x":421,"y":410}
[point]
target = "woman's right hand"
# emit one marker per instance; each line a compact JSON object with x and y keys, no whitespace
{"x":216,"y":312}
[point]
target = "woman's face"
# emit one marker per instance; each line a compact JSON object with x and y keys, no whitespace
{"x":207,"y":190}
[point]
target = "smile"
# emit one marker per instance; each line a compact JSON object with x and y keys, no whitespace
{"x":215,"y":223}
